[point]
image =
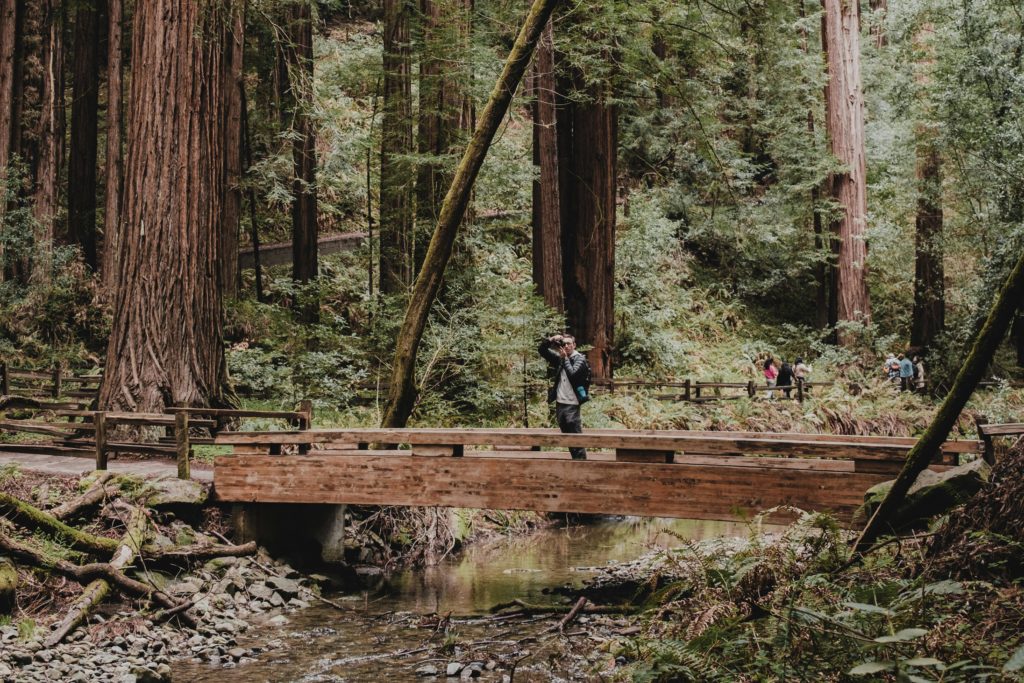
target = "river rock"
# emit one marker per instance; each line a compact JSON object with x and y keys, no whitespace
{"x":184,"y":588}
{"x":287,"y":587}
{"x":279,"y":620}
{"x":453,"y":669}
{"x":260,"y":591}
{"x":276,"y":600}
{"x":427,"y":670}
{"x":931,"y":494}
{"x":237,"y":653}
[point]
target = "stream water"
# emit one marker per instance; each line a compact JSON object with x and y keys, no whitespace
{"x":393,"y":629}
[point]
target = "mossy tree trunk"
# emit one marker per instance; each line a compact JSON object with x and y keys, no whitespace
{"x":986,"y":341}
{"x":402,"y":391}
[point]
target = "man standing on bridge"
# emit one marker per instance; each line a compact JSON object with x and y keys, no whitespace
{"x":571,"y":385}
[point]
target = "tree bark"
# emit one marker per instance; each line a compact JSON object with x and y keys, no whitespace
{"x":115,"y":140}
{"x":8,"y":585}
{"x":986,"y":341}
{"x":844,"y":123}
{"x":32,"y":518}
{"x":233,"y":54}
{"x":85,"y":89}
{"x":1018,"y":328}
{"x":396,"y":173}
{"x":166,"y":344}
{"x":50,"y":134}
{"x":96,"y":494}
{"x":299,"y":55}
{"x":402,"y":389}
{"x":445,"y":108}
{"x":588,"y":150}
{"x":929,"y":318}
{"x":547,"y":226}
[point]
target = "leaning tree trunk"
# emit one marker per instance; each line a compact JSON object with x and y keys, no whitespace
{"x":396,"y":173}
{"x":986,"y":341}
{"x":844,"y":123}
{"x":50,"y":135}
{"x":299,"y":56}
{"x":233,"y":153}
{"x":115,"y":140}
{"x":929,"y":318}
{"x":588,"y":149}
{"x":547,"y":226}
{"x":1018,"y":329}
{"x":166,"y":344}
{"x":402,"y":391}
{"x":85,"y":90}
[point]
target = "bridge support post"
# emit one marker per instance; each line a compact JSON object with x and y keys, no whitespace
{"x":300,"y":530}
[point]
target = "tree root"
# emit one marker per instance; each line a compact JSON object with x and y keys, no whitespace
{"x":521,"y":607}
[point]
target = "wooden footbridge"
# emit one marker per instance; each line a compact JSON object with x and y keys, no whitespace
{"x":687,"y":474}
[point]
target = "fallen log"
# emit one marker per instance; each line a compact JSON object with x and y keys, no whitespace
{"x":196,"y":553}
{"x":96,"y":494}
{"x":32,"y":518}
{"x":570,"y":617}
{"x":8,"y":585}
{"x":521,"y":607}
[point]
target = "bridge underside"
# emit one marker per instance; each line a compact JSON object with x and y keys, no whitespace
{"x":701,"y":489}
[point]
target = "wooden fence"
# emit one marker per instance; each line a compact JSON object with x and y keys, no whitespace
{"x":54,"y":383}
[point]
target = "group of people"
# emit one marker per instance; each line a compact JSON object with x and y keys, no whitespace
{"x":784,"y":375}
{"x":907,"y":373}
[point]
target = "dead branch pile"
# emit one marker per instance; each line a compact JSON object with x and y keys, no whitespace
{"x":99,"y":578}
{"x":982,"y":540}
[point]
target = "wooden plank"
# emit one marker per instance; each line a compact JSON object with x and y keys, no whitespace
{"x":663,"y":490}
{"x":46,"y":449}
{"x":635,"y":455}
{"x":452,"y":451}
{"x":1007,"y":429}
{"x":280,"y":253}
{"x":231,"y":412}
{"x":39,"y":428}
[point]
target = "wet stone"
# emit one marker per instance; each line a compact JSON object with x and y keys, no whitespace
{"x":428,"y":670}
{"x":453,"y":669}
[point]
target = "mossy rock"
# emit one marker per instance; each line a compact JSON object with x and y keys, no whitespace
{"x":169,"y":492}
{"x":932,"y":494}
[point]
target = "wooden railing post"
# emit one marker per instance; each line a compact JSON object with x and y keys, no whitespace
{"x":696,"y":394}
{"x":181,"y":440}
{"x":686,"y":390}
{"x":305,"y":421}
{"x":99,"y":419}
{"x":5,"y":382}
{"x":750,"y":389}
{"x":800,"y":389}
{"x":56,"y":381}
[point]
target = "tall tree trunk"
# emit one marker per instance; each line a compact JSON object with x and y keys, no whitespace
{"x":115,"y":140}
{"x":299,"y":54}
{"x":9,"y":55}
{"x":844,"y":123}
{"x":233,"y":152}
{"x":85,"y":89}
{"x":881,"y":7}
{"x":587,"y":166}
{"x":166,"y":344}
{"x":444,"y":119}
{"x":396,"y":173}
{"x":1018,"y":331}
{"x":983,"y":348}
{"x":929,"y":288}
{"x":50,"y":135}
{"x":402,"y":390}
{"x":547,"y":228}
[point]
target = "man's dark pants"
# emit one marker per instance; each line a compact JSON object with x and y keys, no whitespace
{"x":570,"y":422}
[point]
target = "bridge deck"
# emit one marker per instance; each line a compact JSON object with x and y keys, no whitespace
{"x":701,"y":475}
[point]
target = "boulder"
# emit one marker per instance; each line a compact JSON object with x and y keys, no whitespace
{"x":170,"y":491}
{"x":931,"y":495}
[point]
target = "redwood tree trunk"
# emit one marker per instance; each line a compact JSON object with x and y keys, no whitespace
{"x":844,"y":123}
{"x":115,"y":138}
{"x":166,"y":343}
{"x":84,"y":123}
{"x":396,"y":173}
{"x":587,"y":164}
{"x":50,"y":137}
{"x":12,"y":19}
{"x":445,"y":109}
{"x":233,"y":152}
{"x":929,"y":288}
{"x":304,"y":208}
{"x":547,"y":227}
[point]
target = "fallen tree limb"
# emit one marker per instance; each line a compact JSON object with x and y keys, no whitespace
{"x":529,"y":608}
{"x":96,"y":494}
{"x":570,"y":617}
{"x":32,"y":518}
{"x":195,"y":553}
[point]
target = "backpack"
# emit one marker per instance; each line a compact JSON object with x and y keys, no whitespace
{"x":583,"y":388}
